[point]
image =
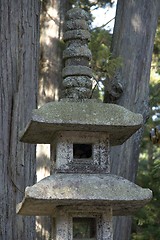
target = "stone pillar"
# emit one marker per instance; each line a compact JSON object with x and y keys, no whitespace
{"x":77,"y":73}
{"x":107,"y":225}
{"x":61,"y":225}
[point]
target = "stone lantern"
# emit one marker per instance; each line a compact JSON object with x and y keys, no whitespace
{"x":80,"y":194}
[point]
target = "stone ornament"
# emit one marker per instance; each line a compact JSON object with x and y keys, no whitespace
{"x":80,"y":194}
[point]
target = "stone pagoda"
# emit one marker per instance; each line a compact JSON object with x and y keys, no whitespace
{"x":80,"y":194}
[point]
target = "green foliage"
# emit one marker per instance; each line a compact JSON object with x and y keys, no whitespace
{"x":147,"y":221}
{"x":100,"y":48}
{"x":156,"y":51}
{"x":88,"y":4}
{"x":103,"y":64}
{"x":154,"y":92}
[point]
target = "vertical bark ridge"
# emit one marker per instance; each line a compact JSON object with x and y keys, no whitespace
{"x":18,"y":87}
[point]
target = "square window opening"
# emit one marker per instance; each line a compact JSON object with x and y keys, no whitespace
{"x":84,"y":228}
{"x":82,"y":151}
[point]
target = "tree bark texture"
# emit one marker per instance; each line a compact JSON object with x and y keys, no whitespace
{"x":51,"y":47}
{"x":133,"y":41}
{"x":19,"y":38}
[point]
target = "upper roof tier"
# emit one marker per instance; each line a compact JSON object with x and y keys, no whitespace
{"x":88,"y":115}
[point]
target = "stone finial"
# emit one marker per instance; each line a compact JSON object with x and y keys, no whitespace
{"x":77,"y":73}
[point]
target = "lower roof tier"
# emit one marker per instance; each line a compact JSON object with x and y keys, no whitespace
{"x":105,"y":190}
{"x":88,"y":115}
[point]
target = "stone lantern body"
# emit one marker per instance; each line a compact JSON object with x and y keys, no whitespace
{"x":80,"y":194}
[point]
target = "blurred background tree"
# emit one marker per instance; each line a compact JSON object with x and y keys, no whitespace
{"x":19,"y":53}
{"x":147,"y":221}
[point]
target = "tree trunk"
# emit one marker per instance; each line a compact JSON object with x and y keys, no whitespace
{"x":51,"y":46}
{"x":133,"y":40}
{"x":19,"y":37}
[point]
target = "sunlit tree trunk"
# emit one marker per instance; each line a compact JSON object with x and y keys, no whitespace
{"x":50,"y":68}
{"x":133,"y":40}
{"x":19,"y":40}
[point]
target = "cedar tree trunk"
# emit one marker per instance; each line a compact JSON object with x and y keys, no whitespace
{"x":51,"y":46}
{"x":133,"y":40}
{"x":19,"y":38}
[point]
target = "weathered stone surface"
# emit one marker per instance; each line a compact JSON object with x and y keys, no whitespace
{"x":77,"y":13}
{"x":77,"y":34}
{"x":87,"y":115}
{"x":77,"y":81}
{"x":80,"y":133}
{"x":77,"y":92}
{"x":76,"y":71}
{"x":65,"y":217}
{"x":77,"y":61}
{"x":77,"y":51}
{"x":95,"y":159}
{"x":122,"y":195}
{"x":76,"y":24}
